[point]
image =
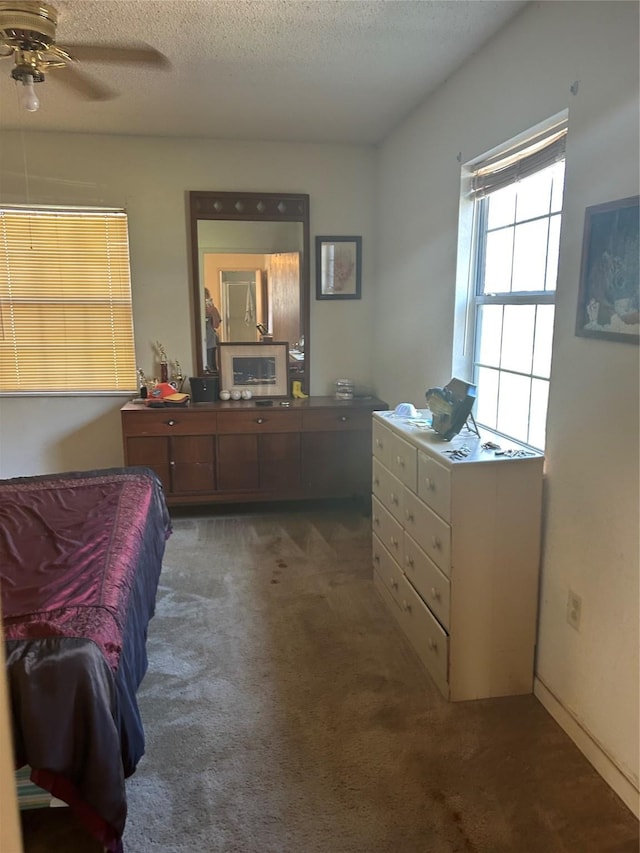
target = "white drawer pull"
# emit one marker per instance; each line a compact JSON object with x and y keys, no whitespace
{"x":409,"y":562}
{"x":409,"y":515}
{"x":433,"y":644}
{"x":378,"y":442}
{"x":376,"y":558}
{"x":436,"y":543}
{"x":344,"y":419}
{"x":430,"y":484}
{"x":406,"y":606}
{"x":376,"y":481}
{"x":394,"y":499}
{"x":394,"y":541}
{"x":259,"y":420}
{"x":171,"y":423}
{"x":376,"y":520}
{"x":435,"y":593}
{"x":394,"y":583}
{"x":400,"y":461}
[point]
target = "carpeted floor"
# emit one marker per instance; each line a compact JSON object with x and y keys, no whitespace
{"x":285,"y":713}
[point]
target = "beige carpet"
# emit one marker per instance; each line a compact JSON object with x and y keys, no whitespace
{"x":285,"y":713}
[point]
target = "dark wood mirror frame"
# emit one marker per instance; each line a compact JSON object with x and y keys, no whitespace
{"x":249,"y":207}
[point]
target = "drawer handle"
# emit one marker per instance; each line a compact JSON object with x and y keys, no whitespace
{"x":376,"y":520}
{"x":394,"y":498}
{"x":170,"y":423}
{"x":435,"y":593}
{"x":393,"y":541}
{"x":436,"y":543}
{"x":260,"y":420}
{"x":430,"y":484}
{"x":410,"y":562}
{"x":433,"y":645}
{"x":379,"y":442}
{"x":394,"y":583}
{"x":406,"y":606}
{"x":172,"y":463}
{"x":409,"y":515}
{"x":376,"y":558}
{"x":344,"y":418}
{"x":400,"y":461}
{"x":376,"y":481}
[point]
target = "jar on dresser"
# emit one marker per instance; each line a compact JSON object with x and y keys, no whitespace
{"x":456,"y":551}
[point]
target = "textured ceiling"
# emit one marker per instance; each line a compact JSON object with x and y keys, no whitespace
{"x":321,"y":71}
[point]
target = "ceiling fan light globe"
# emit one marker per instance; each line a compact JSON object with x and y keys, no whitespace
{"x":28,"y":96}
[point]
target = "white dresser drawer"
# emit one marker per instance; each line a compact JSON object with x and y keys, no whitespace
{"x":381,"y":439}
{"x":425,"y":633}
{"x":431,"y":533}
{"x":388,"y":529}
{"x":434,"y":485}
{"x":428,"y":580}
{"x":404,"y":462}
{"x":385,"y":566}
{"x":388,"y":489}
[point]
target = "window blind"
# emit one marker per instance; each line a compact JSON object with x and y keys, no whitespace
{"x":65,"y":301}
{"x":519,"y":161}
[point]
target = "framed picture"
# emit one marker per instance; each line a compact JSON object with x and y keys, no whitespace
{"x":608,"y":302}
{"x":260,"y":368}
{"x":338,"y":267}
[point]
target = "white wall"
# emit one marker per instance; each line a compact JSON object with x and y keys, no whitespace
{"x":150,"y":177}
{"x":588,"y":679}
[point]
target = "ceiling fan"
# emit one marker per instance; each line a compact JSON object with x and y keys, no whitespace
{"x":28,"y":34}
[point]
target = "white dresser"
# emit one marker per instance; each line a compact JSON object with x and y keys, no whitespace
{"x":456,"y":552}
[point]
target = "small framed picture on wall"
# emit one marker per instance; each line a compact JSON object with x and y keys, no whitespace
{"x":338,"y":267}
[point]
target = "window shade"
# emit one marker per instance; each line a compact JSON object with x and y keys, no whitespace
{"x":65,"y":301}
{"x":519,"y":161}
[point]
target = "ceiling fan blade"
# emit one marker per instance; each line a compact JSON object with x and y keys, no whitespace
{"x":82,"y":84}
{"x":120,"y":55}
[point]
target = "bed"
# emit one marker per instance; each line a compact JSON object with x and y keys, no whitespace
{"x":80,"y":560}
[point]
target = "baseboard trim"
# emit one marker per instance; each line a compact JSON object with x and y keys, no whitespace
{"x":589,"y":747}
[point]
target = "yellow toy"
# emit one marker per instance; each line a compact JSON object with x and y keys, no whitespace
{"x":296,"y":390}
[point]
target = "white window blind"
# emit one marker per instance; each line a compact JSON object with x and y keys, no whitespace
{"x":520,"y":161}
{"x":65,"y":301}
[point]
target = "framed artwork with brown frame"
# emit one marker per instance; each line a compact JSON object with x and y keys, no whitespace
{"x":338,"y":267}
{"x":260,"y":368}
{"x":609,"y":297}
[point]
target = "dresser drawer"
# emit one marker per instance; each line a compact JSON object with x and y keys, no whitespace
{"x":324,"y":420}
{"x":387,"y":529}
{"x":429,"y":581}
{"x":385,"y":566}
{"x":425,"y":633}
{"x":170,"y":421}
{"x":388,"y":489}
{"x":404,"y":462}
{"x":434,"y":485}
{"x":258,"y":420}
{"x":381,"y":439}
{"x":426,"y":528}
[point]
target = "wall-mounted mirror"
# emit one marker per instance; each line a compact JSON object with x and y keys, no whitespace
{"x":250,"y":273}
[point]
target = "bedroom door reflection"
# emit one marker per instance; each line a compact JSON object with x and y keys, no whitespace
{"x":241,"y":296}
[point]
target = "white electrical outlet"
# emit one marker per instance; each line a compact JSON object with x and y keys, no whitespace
{"x":574,"y":609}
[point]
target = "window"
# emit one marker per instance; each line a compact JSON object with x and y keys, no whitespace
{"x":65,"y":301}
{"x":517,"y":201}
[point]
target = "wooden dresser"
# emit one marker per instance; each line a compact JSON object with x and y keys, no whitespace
{"x":456,"y":551}
{"x":227,"y":452}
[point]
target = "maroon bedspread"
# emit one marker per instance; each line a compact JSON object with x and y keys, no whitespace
{"x":68,"y":552}
{"x":80,"y":559}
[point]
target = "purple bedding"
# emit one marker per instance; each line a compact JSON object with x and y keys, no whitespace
{"x":80,"y":560}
